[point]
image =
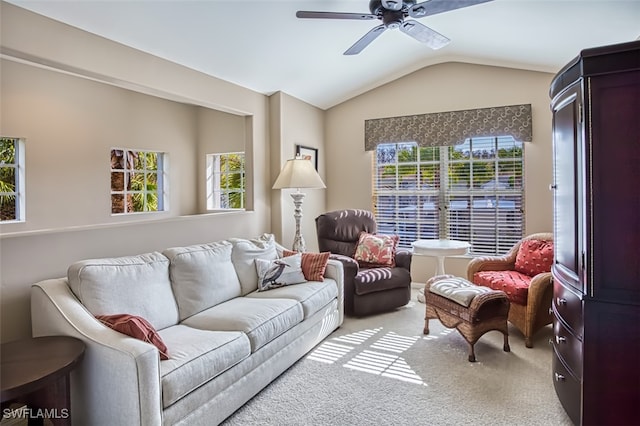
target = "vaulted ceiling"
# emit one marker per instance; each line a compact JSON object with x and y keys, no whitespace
{"x":261,"y":45}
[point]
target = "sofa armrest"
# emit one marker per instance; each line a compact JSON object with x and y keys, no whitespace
{"x":117,"y":370}
{"x":350,"y":269}
{"x":335,"y":271}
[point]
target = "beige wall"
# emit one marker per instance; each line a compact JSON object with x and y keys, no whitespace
{"x":438,"y":88}
{"x":70,"y":122}
{"x":70,"y":125}
{"x":218,"y":132}
{"x":295,"y":122}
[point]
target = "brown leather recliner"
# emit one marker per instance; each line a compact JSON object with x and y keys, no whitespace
{"x":367,"y":291}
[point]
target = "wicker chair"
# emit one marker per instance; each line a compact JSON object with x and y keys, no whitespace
{"x":530,"y":311}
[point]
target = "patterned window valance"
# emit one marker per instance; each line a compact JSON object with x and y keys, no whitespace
{"x":450,"y":128}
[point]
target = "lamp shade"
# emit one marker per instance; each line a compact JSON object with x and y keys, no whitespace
{"x":298,"y":173}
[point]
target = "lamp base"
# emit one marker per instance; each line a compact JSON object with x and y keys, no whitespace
{"x":298,"y":242}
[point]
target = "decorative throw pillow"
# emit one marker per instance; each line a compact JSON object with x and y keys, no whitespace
{"x":534,"y":257}
{"x":279,"y":272}
{"x":376,"y":250}
{"x":136,"y":327}
{"x":313,"y":264}
{"x":244,"y":254}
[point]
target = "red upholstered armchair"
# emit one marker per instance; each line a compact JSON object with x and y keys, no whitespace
{"x":369,"y":288}
{"x":524,"y":273}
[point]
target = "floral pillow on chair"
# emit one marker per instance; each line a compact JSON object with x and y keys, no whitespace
{"x":534,"y":257}
{"x":375,"y":250}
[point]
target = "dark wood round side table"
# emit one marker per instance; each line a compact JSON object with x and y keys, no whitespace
{"x":36,"y":371}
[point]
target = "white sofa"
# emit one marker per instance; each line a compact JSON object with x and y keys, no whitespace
{"x":226,"y":341}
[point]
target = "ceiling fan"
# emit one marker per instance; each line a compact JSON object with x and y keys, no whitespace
{"x":392,"y":13}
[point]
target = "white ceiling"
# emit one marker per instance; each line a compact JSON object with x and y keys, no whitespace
{"x":261,"y":45}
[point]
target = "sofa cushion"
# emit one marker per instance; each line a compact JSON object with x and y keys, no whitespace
{"x":380,"y":279}
{"x":534,"y":257}
{"x":313,"y":264}
{"x":243,"y":256}
{"x":136,"y":285}
{"x":313,"y":295}
{"x":202,"y":276}
{"x":514,"y":283}
{"x":197,"y":356}
{"x":262,"y":319}
{"x":136,"y":327}
{"x":279,"y":272}
{"x":376,"y":250}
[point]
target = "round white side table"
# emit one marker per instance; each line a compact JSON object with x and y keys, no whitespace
{"x":440,"y":249}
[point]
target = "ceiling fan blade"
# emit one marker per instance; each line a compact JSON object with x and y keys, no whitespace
{"x":424,"y":34}
{"x":392,"y":4}
{"x":365,"y":40}
{"x":433,"y":7}
{"x":334,"y":15}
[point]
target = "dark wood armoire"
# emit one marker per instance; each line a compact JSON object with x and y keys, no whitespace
{"x":596,"y":271}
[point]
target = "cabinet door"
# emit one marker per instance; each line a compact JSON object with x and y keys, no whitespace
{"x":567,"y":149}
{"x":614,"y":203}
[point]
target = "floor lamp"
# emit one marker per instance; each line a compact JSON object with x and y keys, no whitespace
{"x":298,"y":173}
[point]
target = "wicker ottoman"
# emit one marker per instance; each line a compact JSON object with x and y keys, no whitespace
{"x":472,"y":310}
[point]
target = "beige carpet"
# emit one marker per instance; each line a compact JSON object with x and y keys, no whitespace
{"x":382,"y":370}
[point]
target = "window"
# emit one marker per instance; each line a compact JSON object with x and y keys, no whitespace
{"x":137,"y":181}
{"x":226,"y":181}
{"x":472,"y":192}
{"x":11,"y":180}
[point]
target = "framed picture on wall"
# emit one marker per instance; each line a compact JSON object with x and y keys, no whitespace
{"x":308,"y":153}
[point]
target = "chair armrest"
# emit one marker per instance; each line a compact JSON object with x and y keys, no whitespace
{"x":538,"y":286}
{"x":116,"y":371}
{"x":490,"y":263}
{"x":403,"y":259}
{"x":349,"y":264}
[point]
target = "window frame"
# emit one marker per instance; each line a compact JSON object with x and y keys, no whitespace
{"x":158,"y":195}
{"x":18,"y":192}
{"x":427,"y":210}
{"x":214,"y":179}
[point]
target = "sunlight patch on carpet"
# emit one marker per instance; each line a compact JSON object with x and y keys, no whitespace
{"x":358,"y":337}
{"x":329,"y":352}
{"x":442,"y":333}
{"x":381,"y":357}
{"x":383,"y":364}
{"x":394,"y":342}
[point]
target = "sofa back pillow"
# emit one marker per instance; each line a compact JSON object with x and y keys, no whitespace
{"x":202,"y":276}
{"x":136,"y":285}
{"x":244,"y":254}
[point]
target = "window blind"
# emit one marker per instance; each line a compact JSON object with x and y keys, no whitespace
{"x":472,"y":192}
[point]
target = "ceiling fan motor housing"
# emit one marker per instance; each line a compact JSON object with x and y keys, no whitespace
{"x":377,"y":8}
{"x":390,"y":18}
